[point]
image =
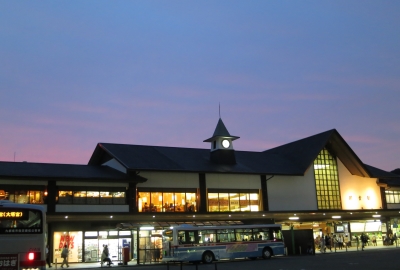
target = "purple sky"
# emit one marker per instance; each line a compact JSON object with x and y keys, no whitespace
{"x":75,"y":73}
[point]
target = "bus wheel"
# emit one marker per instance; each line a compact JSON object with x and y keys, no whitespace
{"x":208,"y":257}
{"x":267,"y":253}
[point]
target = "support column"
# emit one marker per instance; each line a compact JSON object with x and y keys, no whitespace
{"x":264,"y":192}
{"x":51,"y":197}
{"x":131,"y":197}
{"x":203,"y":193}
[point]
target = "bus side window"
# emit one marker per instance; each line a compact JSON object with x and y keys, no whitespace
{"x":181,"y":237}
{"x":277,"y":234}
{"x":191,"y":236}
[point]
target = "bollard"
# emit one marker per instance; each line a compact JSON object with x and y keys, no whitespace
{"x":55,"y":263}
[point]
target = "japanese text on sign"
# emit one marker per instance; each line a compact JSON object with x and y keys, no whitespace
{"x":8,"y":261}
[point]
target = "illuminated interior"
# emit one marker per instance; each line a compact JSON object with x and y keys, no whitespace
{"x":234,"y":202}
{"x":327,"y":181}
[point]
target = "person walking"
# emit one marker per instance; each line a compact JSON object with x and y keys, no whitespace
{"x":357,"y":241}
{"x":363,"y":241}
{"x":340,"y":240}
{"x":105,"y":256}
{"x":328,"y":242}
{"x":64,"y":255}
{"x":48,"y":256}
{"x":373,"y":238}
{"x":322,"y":244}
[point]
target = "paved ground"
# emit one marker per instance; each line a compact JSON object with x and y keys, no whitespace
{"x":380,"y":257}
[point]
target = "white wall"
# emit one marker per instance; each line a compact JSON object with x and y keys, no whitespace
{"x":356,"y":186}
{"x":115,"y":165}
{"x":170,"y":180}
{"x":230,"y":181}
{"x":291,"y":193}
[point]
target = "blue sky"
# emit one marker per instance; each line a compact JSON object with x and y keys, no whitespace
{"x":75,"y":73}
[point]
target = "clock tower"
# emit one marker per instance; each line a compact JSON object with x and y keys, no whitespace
{"x":222,"y":151}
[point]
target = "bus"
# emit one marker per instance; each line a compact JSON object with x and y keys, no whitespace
{"x":187,"y":243}
{"x":22,"y":236}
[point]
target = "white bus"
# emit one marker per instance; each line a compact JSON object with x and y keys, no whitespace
{"x":188,"y":243}
{"x":22,"y":236}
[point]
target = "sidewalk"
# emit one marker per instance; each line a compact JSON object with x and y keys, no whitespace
{"x":354,"y":249}
{"x":92,"y":265}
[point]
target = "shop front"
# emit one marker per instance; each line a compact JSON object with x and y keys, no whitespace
{"x":87,"y":246}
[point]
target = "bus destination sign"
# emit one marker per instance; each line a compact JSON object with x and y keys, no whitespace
{"x":14,"y":215}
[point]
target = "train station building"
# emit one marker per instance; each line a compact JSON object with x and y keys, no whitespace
{"x":127,"y":194}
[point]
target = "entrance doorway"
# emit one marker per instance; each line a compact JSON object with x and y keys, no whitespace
{"x":150,"y":247}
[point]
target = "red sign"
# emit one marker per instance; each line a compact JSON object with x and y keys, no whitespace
{"x":8,"y":261}
{"x":66,"y":240}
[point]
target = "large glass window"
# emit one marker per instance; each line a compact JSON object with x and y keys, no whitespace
{"x":81,"y":196}
{"x":233,"y":201}
{"x":392,"y":196}
{"x":25,"y":196}
{"x":167,"y":201}
{"x":327,"y":181}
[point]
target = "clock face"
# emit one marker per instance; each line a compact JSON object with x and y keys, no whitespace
{"x":225,"y":143}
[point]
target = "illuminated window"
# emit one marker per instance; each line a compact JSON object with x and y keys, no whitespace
{"x":167,"y":201}
{"x":392,"y":196}
{"x":91,"y":197}
{"x":327,"y":181}
{"x":15,"y":194}
{"x":233,"y":201}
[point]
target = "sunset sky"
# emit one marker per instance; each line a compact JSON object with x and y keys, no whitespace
{"x":76,"y":73}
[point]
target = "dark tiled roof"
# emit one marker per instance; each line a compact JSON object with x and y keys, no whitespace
{"x":391,"y":179}
{"x":25,"y":170}
{"x":289,"y":159}
{"x":303,"y":152}
{"x":159,"y":158}
{"x":396,"y":171}
{"x":378,"y":173}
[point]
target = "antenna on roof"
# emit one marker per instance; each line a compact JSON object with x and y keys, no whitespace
{"x":14,"y":156}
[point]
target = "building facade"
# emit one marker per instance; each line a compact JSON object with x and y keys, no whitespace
{"x":127,"y":194}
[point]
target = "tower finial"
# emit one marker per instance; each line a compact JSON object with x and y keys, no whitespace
{"x":219,"y":109}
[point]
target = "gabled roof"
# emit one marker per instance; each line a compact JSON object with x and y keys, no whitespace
{"x":396,"y":171}
{"x":221,"y":131}
{"x":289,"y":159}
{"x":159,"y":158}
{"x":388,"y":180}
{"x":48,"y":171}
{"x":303,"y":152}
{"x":378,"y":173}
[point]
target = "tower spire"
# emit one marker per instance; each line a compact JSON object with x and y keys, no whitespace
{"x":222,"y":151}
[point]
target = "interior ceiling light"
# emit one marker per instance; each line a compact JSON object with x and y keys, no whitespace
{"x":293,"y":218}
{"x":376,"y":215}
{"x":336,"y":217}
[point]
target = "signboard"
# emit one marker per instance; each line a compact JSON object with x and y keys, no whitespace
{"x":8,"y":261}
{"x":14,"y":215}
